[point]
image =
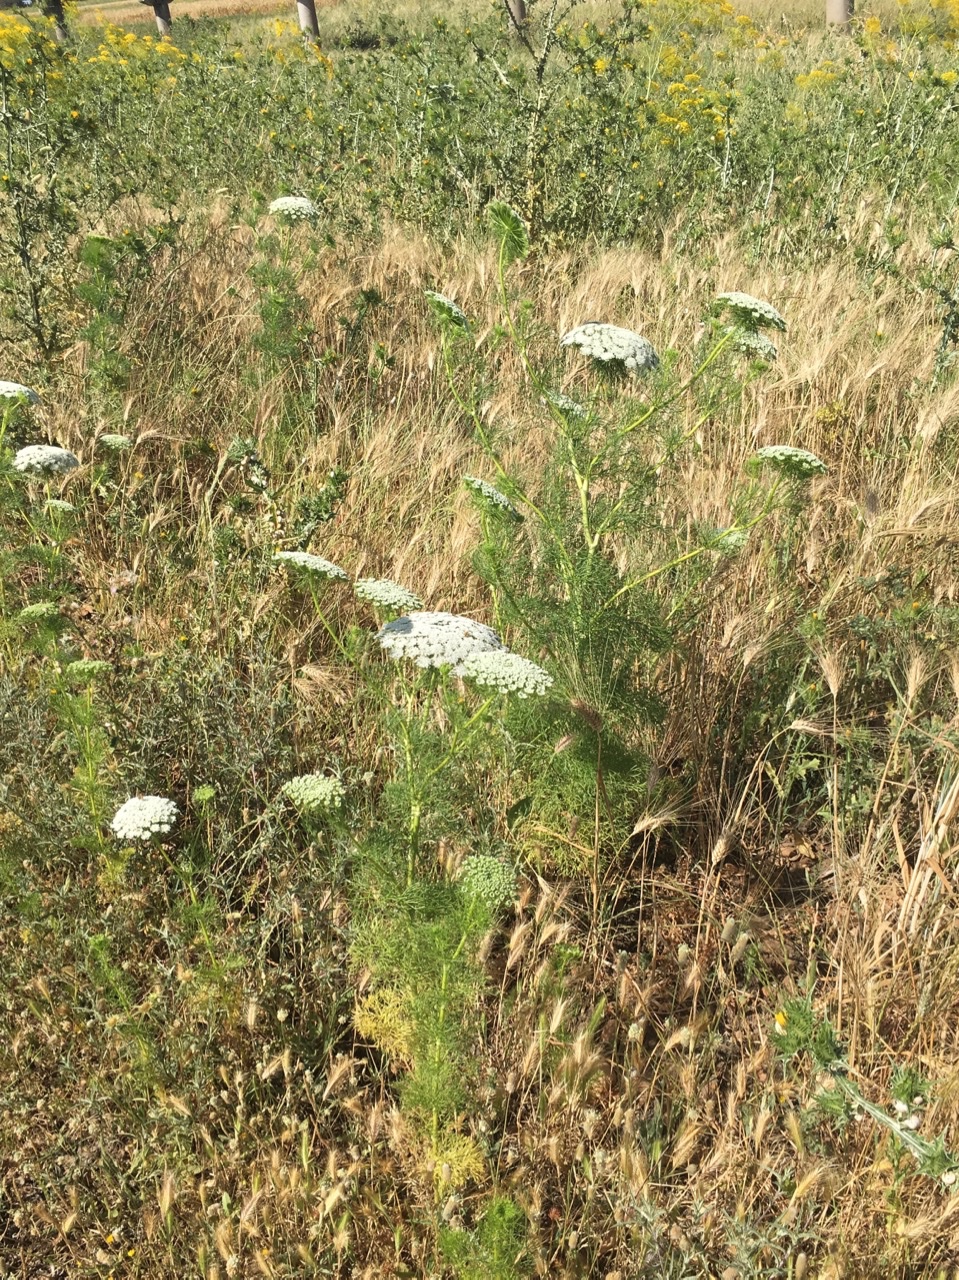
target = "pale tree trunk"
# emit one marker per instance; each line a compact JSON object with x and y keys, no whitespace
{"x":54,"y":9}
{"x":516,"y":9}
{"x":838,"y":10}
{"x":306,"y":12}
{"x":161,"y":11}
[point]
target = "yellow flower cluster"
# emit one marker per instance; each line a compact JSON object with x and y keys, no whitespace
{"x":120,"y":48}
{"x":820,"y":77}
{"x":21,"y":41}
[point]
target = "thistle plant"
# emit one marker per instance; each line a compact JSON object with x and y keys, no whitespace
{"x":799,"y":1030}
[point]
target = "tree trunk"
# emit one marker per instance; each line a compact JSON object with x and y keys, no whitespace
{"x":54,"y":9}
{"x":839,"y":10}
{"x":306,"y":12}
{"x":161,"y":11}
{"x":516,"y":10}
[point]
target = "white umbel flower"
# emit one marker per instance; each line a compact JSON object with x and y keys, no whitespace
{"x":437,"y":639}
{"x":447,"y":311}
{"x":17,"y":391}
{"x":45,"y":460}
{"x":144,"y":817}
{"x":59,"y":506}
{"x":797,"y":464}
{"x":751,"y":343}
{"x":611,"y":345}
{"x":310,"y":564}
{"x":386,"y":594}
{"x":312,"y":792}
{"x":294,"y":208}
{"x":114,"y":443}
{"x":507,"y":672}
{"x":491,"y":496}
{"x":566,"y":405}
{"x":750,"y":312}
{"x":490,"y":879}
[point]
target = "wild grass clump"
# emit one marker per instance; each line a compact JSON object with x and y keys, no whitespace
{"x":478,"y":803}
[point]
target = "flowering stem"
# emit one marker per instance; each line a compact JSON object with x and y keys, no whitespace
{"x":696,"y":551}
{"x":322,"y":617}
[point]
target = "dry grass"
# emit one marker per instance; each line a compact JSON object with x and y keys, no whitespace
{"x":636,"y":1108}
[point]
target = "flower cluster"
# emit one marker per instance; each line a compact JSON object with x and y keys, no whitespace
{"x":386,"y":595}
{"x":310,"y":564}
{"x":491,"y":496}
{"x":609,"y":345}
{"x":312,"y":792}
{"x":17,"y":391}
{"x":437,"y":639}
{"x":38,"y":612}
{"x":796,"y":464}
{"x":506,"y":672}
{"x":490,"y":879}
{"x":294,"y":208}
{"x":45,"y":459}
{"x":749,"y":312}
{"x":143,"y":817}
{"x":447,"y":311}
{"x":114,"y":443}
{"x":751,"y":343}
{"x":60,"y":506}
{"x":566,"y":405}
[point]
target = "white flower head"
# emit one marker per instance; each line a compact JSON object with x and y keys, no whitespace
{"x":505,"y":671}
{"x":447,"y":311}
{"x":437,"y":639}
{"x":143,"y":817}
{"x":45,"y":459}
{"x":750,"y":343}
{"x":484,"y":876}
{"x":310,"y":564}
{"x":491,"y":497}
{"x":750,"y":312}
{"x":796,"y":464}
{"x":294,"y":208}
{"x":312,"y":792}
{"x":114,"y":443}
{"x":59,"y":506}
{"x":39,"y":612}
{"x":17,"y":391}
{"x":386,"y":595}
{"x":567,"y":406}
{"x":612,"y":346}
